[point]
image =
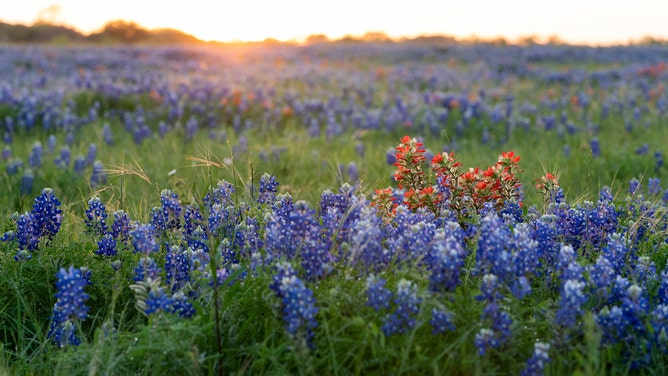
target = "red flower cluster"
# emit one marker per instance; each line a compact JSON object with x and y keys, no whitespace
{"x":468,"y":190}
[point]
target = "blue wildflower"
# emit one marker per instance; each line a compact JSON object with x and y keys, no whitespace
{"x":539,"y":358}
{"x":79,"y":164}
{"x":268,"y":189}
{"x":96,"y":216}
{"x":441,"y":321}
{"x":27,"y":181}
{"x":298,"y":304}
{"x":98,"y":177}
{"x":445,"y":261}
{"x":571,"y":301}
{"x":143,"y":239}
{"x":146,"y":269}
{"x":36,"y":154}
{"x":157,"y":301}
{"x":70,"y":306}
{"x":407,"y":307}
{"x":377,"y":295}
{"x":106,"y":246}
{"x":486,"y":339}
{"x":121,"y":227}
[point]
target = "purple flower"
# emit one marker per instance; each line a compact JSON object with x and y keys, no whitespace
{"x":377,"y":295}
{"x":486,"y":339}
{"x":268,"y":189}
{"x":121,"y":227}
{"x":70,"y":306}
{"x":168,"y":215}
{"x":96,"y":216}
{"x":445,"y":261}
{"x":298,"y":304}
{"x":36,"y":154}
{"x":27,"y":181}
{"x":536,"y":364}
{"x":106,"y":246}
{"x":407,"y":307}
{"x":571,"y":302}
{"x":441,"y":321}
{"x":146,"y":269}
{"x":143,"y":239}
{"x":98,"y":176}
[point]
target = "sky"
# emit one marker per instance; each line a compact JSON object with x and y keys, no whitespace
{"x":595,"y":22}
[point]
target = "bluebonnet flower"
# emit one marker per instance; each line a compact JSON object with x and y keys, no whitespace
{"x":486,"y":339}
{"x":441,"y":321}
{"x":268,"y":189}
{"x":79,"y":164}
{"x":222,"y":194}
{"x":339,"y":213}
{"x":98,"y":176}
{"x":658,"y":161}
{"x":377,"y":295}
{"x":412,"y":234}
{"x":192,"y":126}
{"x":143,"y":239}
{"x":106,"y":246}
{"x":407,"y":307}
{"x":63,"y":161}
{"x":107,"y":134}
{"x":353,"y":172}
{"x":601,"y":277}
{"x":121,"y":227}
{"x":445,"y":261}
{"x":181,"y":305}
{"x":96,"y":216}
{"x":36,"y":155}
{"x":146,"y":269}
{"x":70,"y":306}
{"x":366,"y":242}
{"x":536,"y":364}
{"x":642,"y":150}
{"x":91,"y":154}
{"x":644,"y":271}
{"x":634,"y":186}
{"x":654,"y":186}
{"x":298,"y":304}
{"x":247,"y":237}
{"x":168,"y":215}
{"x":572,"y":300}
{"x":527,"y":261}
{"x":157,"y":301}
{"x":46,"y":215}
{"x":359,"y":149}
{"x":493,"y":255}
{"x":178,"y":264}
{"x":617,"y":251}
{"x":27,"y":181}
{"x":51,"y":143}
{"x":390,"y":157}
{"x":499,"y":321}
{"x":659,"y":324}
{"x":12,"y":167}
{"x":163,"y":128}
{"x":298,"y":235}
{"x":595,"y":147}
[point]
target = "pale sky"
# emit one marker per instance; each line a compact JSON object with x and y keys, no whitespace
{"x":575,"y":21}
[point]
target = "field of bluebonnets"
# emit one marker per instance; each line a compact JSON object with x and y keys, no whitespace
{"x":338,"y":208}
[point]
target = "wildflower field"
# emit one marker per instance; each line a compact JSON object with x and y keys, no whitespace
{"x":389,"y":208}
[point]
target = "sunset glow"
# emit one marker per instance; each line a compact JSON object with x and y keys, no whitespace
{"x":593,"y":22}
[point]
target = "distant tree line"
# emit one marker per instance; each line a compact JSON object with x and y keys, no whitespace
{"x":129,"y":32}
{"x":118,"y":31}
